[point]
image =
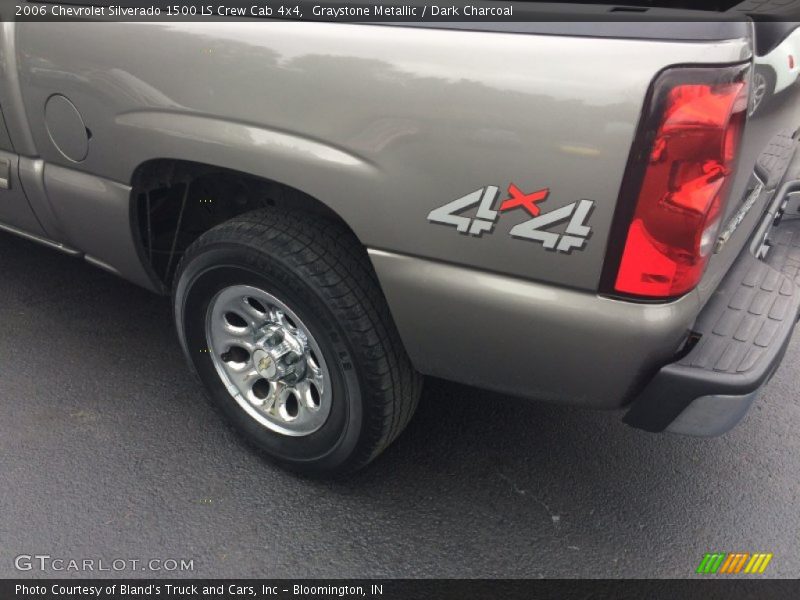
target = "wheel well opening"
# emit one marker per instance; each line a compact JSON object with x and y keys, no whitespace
{"x":174,"y":202}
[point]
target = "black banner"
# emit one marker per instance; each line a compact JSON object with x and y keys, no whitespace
{"x":394,"y":589}
{"x":408,"y":11}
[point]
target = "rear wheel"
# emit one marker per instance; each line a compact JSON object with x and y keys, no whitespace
{"x":281,"y":316}
{"x":763,"y":88}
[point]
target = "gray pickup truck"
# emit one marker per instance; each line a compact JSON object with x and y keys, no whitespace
{"x":602,"y":214}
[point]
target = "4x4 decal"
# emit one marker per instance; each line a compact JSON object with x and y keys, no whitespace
{"x":537,"y":229}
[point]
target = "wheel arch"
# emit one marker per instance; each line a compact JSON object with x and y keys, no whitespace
{"x":174,"y":201}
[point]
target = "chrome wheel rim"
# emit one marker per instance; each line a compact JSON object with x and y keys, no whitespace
{"x":268,"y":360}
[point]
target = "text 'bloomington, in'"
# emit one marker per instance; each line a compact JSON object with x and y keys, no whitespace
{"x":194,"y":590}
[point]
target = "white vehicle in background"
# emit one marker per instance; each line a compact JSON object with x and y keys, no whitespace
{"x":776,"y":71}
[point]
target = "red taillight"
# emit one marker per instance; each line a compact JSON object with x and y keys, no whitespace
{"x":693,"y":134}
{"x":791,"y":61}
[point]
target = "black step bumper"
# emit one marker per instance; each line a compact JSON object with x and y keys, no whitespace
{"x":743,"y":331}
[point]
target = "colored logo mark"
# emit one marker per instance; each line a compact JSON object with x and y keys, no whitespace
{"x":718,"y":563}
{"x":520,"y":198}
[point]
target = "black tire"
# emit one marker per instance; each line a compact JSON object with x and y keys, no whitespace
{"x":317,"y":267}
{"x":763,"y":77}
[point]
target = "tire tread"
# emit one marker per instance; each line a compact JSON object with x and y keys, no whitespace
{"x":333,"y":261}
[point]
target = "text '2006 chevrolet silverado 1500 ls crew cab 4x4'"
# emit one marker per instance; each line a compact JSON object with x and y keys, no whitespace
{"x":600,"y":214}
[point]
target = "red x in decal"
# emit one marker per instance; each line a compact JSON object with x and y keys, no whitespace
{"x":519,"y":198}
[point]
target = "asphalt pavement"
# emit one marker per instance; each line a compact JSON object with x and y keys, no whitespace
{"x":109,"y":451}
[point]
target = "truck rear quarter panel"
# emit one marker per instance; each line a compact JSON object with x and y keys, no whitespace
{"x":383,"y":124}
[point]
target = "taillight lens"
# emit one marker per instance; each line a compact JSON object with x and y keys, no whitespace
{"x":689,"y":142}
{"x":791,"y":61}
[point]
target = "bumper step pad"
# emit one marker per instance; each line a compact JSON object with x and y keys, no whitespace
{"x":744,"y":331}
{"x":773,"y":162}
{"x":751,"y":309}
{"x":784,"y":253}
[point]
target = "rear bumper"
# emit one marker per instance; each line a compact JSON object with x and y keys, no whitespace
{"x":525,"y":338}
{"x":742,"y":334}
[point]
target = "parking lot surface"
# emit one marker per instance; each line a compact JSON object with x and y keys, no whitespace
{"x":109,"y":450}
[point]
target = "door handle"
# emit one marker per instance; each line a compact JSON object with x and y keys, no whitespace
{"x":5,"y":174}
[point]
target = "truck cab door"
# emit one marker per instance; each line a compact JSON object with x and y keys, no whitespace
{"x":15,"y":211}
